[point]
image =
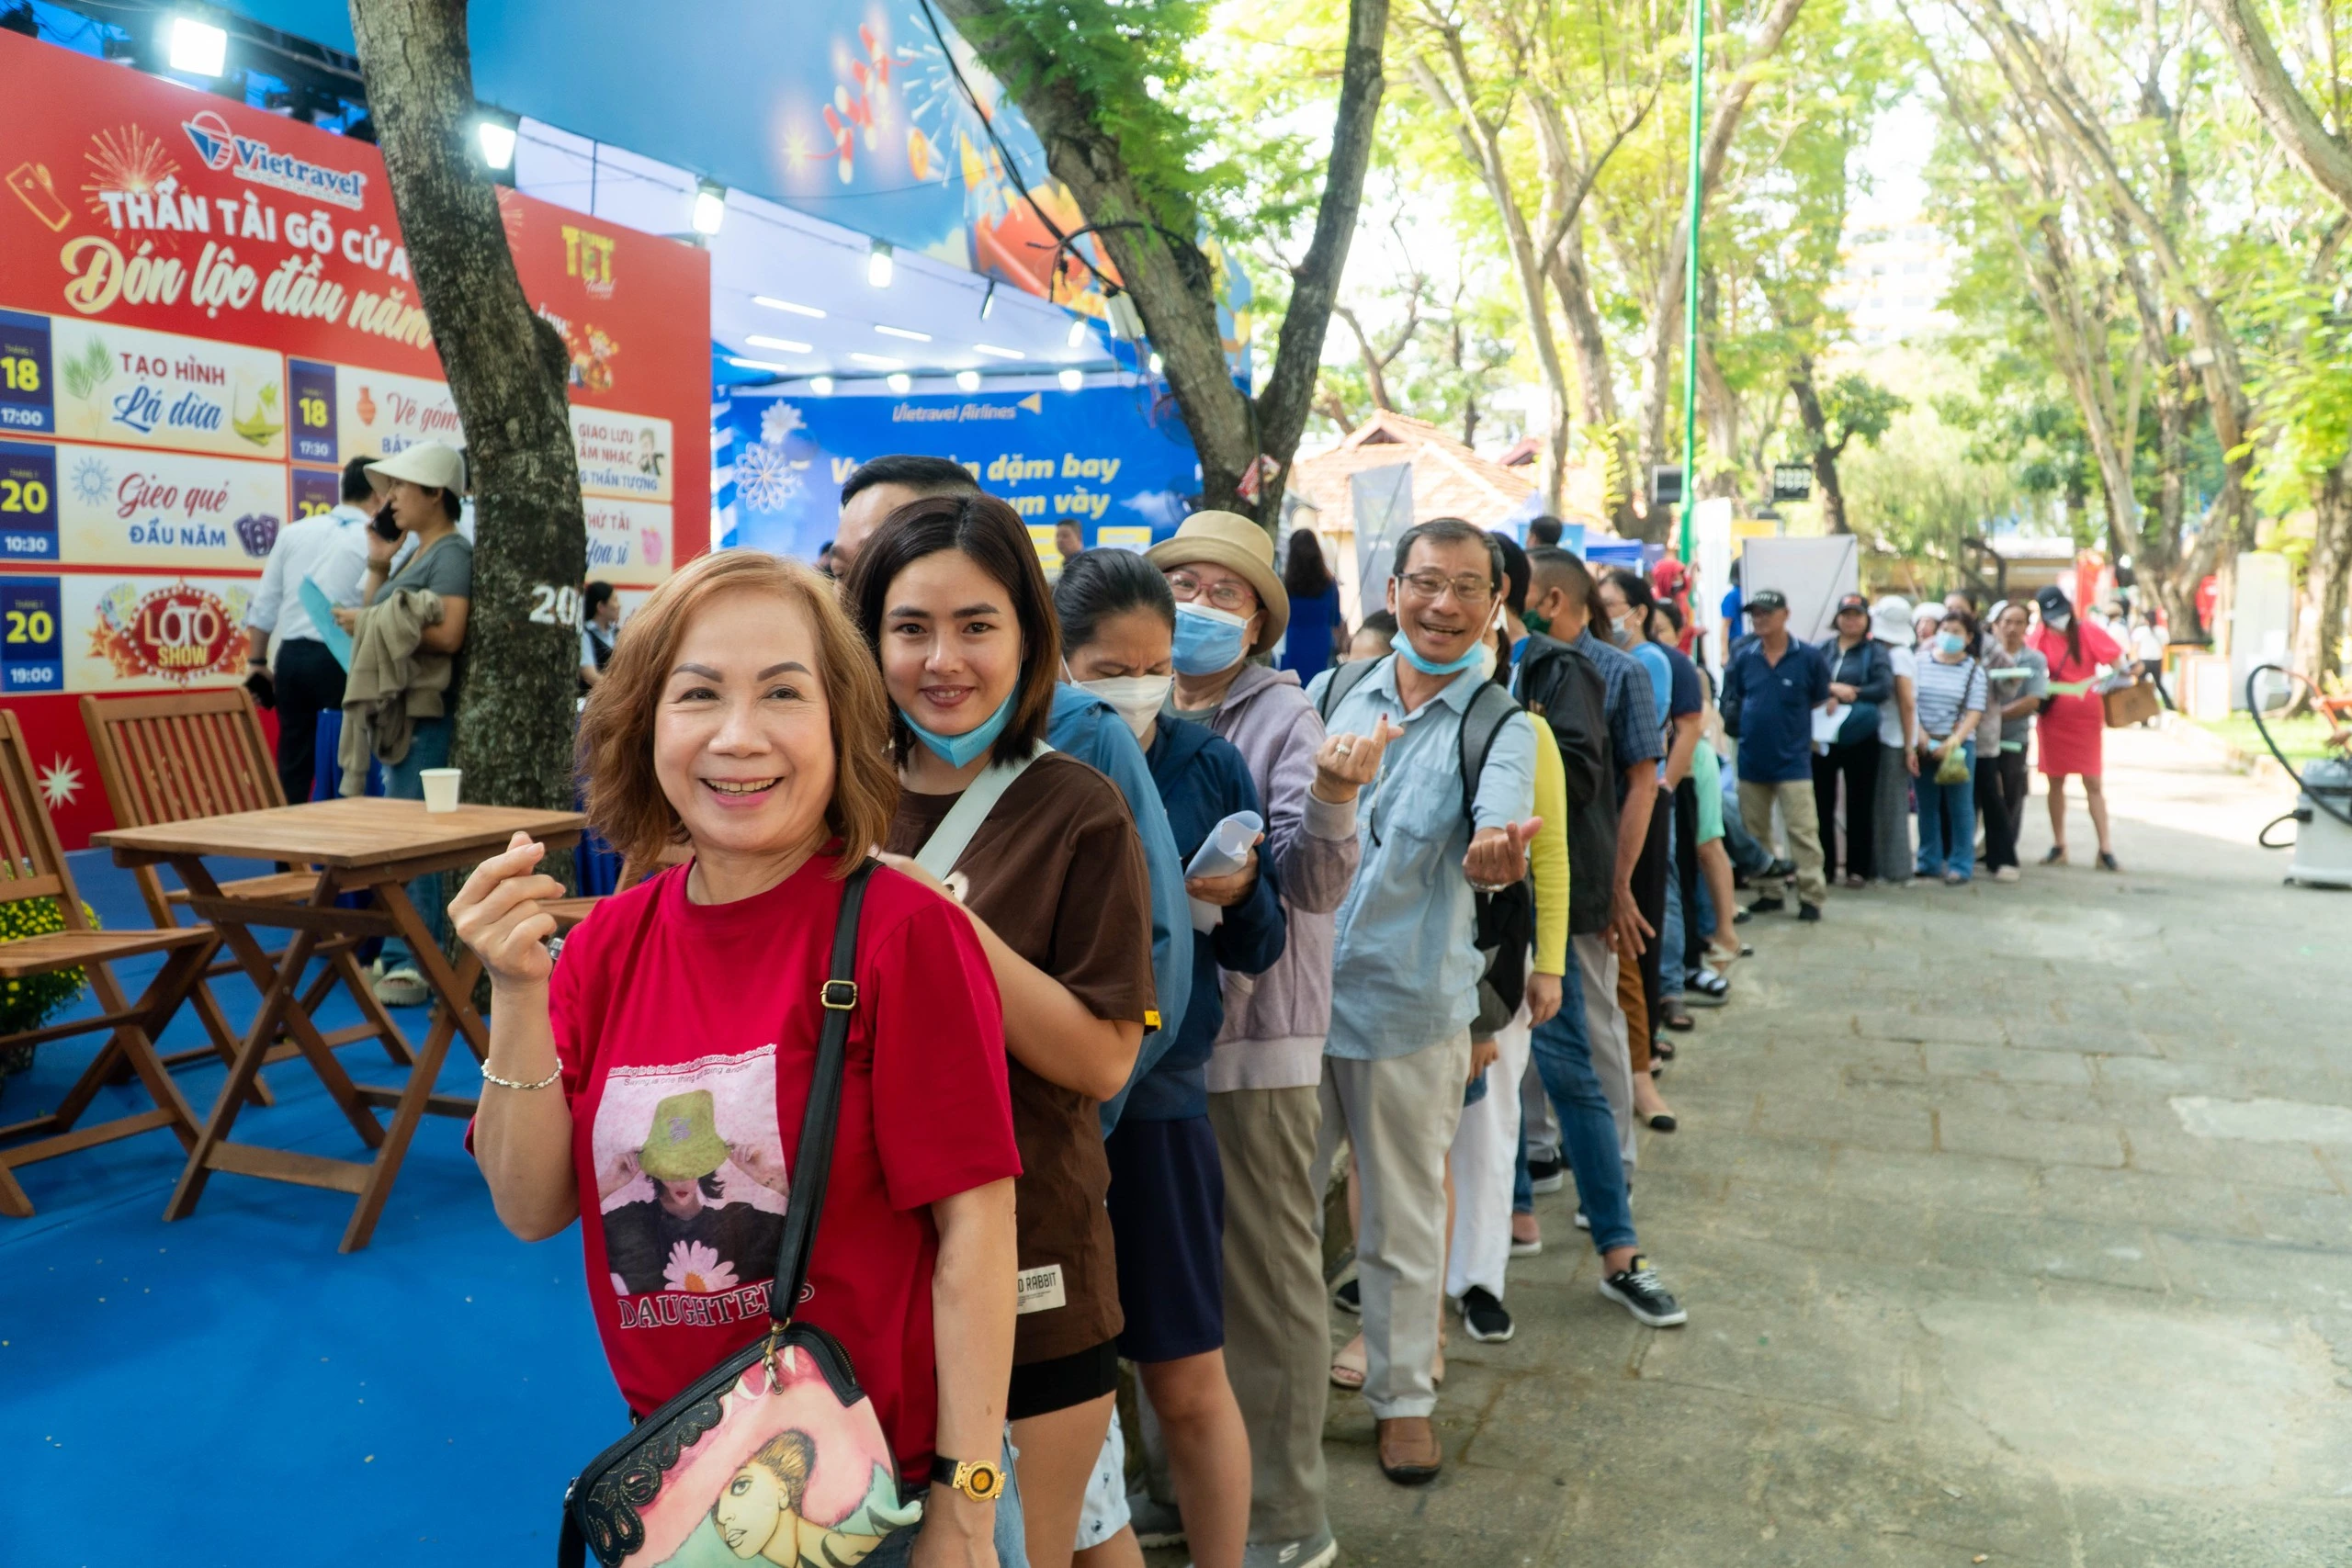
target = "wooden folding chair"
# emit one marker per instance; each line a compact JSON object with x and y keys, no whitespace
{"x":166,"y":759}
{"x":570,"y":912}
{"x":33,"y":866}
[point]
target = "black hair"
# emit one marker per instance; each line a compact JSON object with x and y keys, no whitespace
{"x":355,"y":479}
{"x":1577,"y":577}
{"x":1634,"y":587}
{"x":713,"y":1187}
{"x":1515,"y":573}
{"x":2074,"y":633}
{"x":1450,"y":531}
{"x":593,"y":597}
{"x":453,"y":505}
{"x":1967,"y":622}
{"x":925,"y":475}
{"x":1379,"y":621}
{"x":994,"y":538}
{"x":1097,"y":584}
{"x":1546,"y":531}
{"x":1673,"y":614}
{"x":1305,"y":575}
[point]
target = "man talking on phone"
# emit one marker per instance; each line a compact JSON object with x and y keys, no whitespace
{"x":289,"y":663}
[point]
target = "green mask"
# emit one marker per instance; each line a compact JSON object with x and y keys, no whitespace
{"x":1539,"y":624}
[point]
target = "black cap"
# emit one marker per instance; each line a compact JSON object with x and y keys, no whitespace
{"x":1765,"y":598}
{"x":2053,"y":601}
{"x":1855,"y":603}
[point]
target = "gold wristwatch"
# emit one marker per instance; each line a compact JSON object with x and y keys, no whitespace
{"x":980,"y":1480}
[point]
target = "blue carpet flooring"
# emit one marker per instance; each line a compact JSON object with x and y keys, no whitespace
{"x":230,"y":1389}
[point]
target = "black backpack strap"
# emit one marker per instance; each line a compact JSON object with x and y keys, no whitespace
{"x":812,"y":1161}
{"x":1490,"y":708}
{"x":1345,"y":678}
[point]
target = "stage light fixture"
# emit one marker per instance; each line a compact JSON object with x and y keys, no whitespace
{"x":987,"y":300}
{"x":993,"y":352}
{"x":821,"y":385}
{"x":902,"y":382}
{"x":197,"y":48}
{"x":908,"y":332}
{"x":968,"y":381}
{"x":1072,"y":379}
{"x":710,"y":209}
{"x":1078,"y":332}
{"x":878,"y":265}
{"x":495,"y":136}
{"x":785,"y":344}
{"x":787,"y":305}
{"x":737,"y":360}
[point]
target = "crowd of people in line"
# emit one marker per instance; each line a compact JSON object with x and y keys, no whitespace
{"x":1107,"y":1058}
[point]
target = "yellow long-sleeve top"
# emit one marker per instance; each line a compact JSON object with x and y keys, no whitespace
{"x":1549,"y":853}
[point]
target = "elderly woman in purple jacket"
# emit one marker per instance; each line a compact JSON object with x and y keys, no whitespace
{"x":1268,"y":1061}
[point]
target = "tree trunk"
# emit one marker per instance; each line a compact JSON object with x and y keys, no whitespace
{"x":2319,"y":643}
{"x":1165,"y":276}
{"x":505,"y":369}
{"x":1596,"y":383}
{"x":1822,"y":459}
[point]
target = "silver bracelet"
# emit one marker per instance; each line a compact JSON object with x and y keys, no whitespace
{"x":489,"y":1076}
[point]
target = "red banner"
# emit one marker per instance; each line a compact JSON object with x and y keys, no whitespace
{"x":205,"y":311}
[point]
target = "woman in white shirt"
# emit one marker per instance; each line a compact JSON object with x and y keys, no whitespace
{"x":1897,"y":762}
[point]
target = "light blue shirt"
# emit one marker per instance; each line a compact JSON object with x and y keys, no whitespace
{"x":1405,"y":966}
{"x":329,"y":549}
{"x":1087,"y":727}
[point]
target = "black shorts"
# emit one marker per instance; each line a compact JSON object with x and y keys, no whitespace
{"x":1040,"y":1388}
{"x":1167,"y":1208}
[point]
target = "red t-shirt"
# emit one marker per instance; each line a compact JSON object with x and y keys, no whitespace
{"x":689,"y":1035}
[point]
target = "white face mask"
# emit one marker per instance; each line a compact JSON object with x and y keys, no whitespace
{"x":1138,"y":698}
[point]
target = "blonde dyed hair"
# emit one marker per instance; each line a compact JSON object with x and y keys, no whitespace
{"x":616,"y":746}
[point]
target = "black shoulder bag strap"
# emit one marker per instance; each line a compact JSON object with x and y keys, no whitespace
{"x":812,"y":1161}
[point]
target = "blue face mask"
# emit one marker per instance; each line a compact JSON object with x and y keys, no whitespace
{"x":1404,"y":646}
{"x":1952,"y":642}
{"x":957,"y":751}
{"x":1207,"y":639}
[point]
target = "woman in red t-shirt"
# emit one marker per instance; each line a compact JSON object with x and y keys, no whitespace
{"x":2072,"y":732}
{"x":740,"y":719}
{"x":949,"y":592}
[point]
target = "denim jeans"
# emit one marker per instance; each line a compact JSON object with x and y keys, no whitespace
{"x":1587,"y":1130}
{"x":428,"y":747}
{"x":1012,"y":1547}
{"x":1948,"y":820}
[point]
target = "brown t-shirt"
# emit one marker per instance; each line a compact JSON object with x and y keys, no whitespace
{"x":1057,"y":873}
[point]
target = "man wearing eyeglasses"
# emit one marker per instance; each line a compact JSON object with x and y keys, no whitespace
{"x":1405,"y":962}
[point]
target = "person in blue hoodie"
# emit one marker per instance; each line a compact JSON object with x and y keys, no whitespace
{"x":1166,"y":1199}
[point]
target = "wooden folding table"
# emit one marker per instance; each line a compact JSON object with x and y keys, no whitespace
{"x":362,"y":844}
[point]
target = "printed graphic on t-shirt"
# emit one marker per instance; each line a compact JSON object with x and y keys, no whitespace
{"x":691,"y":1187}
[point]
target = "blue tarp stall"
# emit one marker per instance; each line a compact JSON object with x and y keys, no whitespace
{"x":1115,"y":459}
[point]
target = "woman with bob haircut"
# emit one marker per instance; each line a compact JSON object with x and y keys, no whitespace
{"x":1051,"y":874}
{"x":740,"y":721}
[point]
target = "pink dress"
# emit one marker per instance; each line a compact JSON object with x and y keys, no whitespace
{"x":2072,"y":733}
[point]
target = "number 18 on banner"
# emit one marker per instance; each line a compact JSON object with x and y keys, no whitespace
{"x":24,"y":404}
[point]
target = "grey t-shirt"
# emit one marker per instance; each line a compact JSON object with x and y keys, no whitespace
{"x":447,"y":569}
{"x":2012,"y":732}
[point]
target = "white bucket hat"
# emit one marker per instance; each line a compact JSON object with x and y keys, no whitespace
{"x":1891,"y":620}
{"x":431,"y":464}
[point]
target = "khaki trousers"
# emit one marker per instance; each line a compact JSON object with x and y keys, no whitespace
{"x":1606,"y":1034}
{"x":1794,"y":797}
{"x":1400,"y":1114}
{"x":1277,"y":1334}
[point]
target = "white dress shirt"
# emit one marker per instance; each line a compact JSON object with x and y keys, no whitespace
{"x":331,"y":549}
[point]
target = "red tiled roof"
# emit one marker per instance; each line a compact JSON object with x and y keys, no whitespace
{"x":1449,"y":479}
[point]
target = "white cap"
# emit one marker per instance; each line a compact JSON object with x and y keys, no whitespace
{"x":431,"y":464}
{"x":1891,"y":620}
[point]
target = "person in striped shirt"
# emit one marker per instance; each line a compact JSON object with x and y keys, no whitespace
{"x":1952,"y":703}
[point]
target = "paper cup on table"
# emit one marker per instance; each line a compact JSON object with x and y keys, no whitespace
{"x":441,"y":787}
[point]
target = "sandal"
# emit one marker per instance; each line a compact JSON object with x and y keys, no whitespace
{"x":1349,"y":1367}
{"x":2107,"y":861}
{"x":2057,"y":855}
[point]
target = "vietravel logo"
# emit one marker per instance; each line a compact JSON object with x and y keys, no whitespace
{"x":250,"y":158}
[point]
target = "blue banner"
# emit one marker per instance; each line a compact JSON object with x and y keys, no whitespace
{"x":1115,"y":460}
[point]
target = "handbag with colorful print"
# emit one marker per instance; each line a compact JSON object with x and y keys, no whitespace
{"x":775,"y":1453}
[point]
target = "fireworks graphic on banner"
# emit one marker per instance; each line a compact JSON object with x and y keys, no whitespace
{"x":60,"y":783}
{"x":779,"y":423}
{"x":127,"y":161}
{"x":765,"y":478}
{"x":92,"y":480}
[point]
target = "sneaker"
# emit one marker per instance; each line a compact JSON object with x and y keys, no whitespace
{"x":1547,"y":1175}
{"x":1156,"y":1523}
{"x":1772,"y":906}
{"x":401,"y":987}
{"x":1350,"y":1298}
{"x":1316,"y":1551}
{"x":1781,"y":869}
{"x":2007,"y":873}
{"x":1810,"y":913}
{"x":1527,"y":1246}
{"x":1742,"y":917}
{"x":1484,"y":1318}
{"x":1637,"y":1290}
{"x":1582,"y":1224}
